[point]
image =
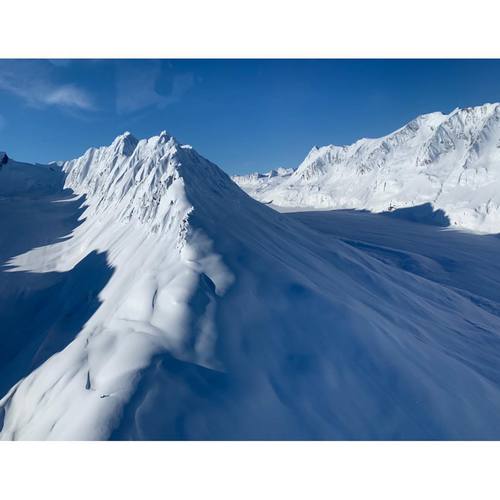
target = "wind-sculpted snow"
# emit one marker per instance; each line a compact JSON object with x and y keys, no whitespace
{"x":137,"y":213}
{"x":450,"y":161}
{"x":203,"y":314}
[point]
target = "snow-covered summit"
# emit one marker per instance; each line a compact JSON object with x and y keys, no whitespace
{"x":146,"y":180}
{"x":451,"y":161}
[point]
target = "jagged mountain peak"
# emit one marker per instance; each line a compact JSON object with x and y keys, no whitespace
{"x":125,"y":143}
{"x":148,"y":179}
{"x":153,"y":156}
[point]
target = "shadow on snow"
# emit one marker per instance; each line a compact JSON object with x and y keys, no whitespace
{"x":41,"y":313}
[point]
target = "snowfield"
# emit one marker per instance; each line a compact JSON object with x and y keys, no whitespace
{"x":149,"y":297}
{"x":451,"y":162}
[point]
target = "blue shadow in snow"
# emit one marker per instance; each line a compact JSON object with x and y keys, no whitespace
{"x":422,"y":214}
{"x":41,"y":313}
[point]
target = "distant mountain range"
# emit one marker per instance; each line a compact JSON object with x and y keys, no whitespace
{"x":451,"y":162}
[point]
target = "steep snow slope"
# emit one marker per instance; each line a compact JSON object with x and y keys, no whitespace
{"x":180,"y":308}
{"x":450,"y":161}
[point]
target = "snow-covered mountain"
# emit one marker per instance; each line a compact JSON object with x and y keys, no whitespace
{"x":449,"y":161}
{"x":24,"y":178}
{"x":151,"y":298}
{"x":256,"y":182}
{"x":255,"y":177}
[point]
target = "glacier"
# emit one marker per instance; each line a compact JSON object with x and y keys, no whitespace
{"x":145,"y":295}
{"x":450,"y":162}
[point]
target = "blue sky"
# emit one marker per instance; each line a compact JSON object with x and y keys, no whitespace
{"x":244,"y":115}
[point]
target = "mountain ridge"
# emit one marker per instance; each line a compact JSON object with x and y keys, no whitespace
{"x":200,"y":313}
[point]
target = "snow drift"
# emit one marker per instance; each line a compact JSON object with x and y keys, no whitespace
{"x":451,"y":162}
{"x":168,"y":304}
